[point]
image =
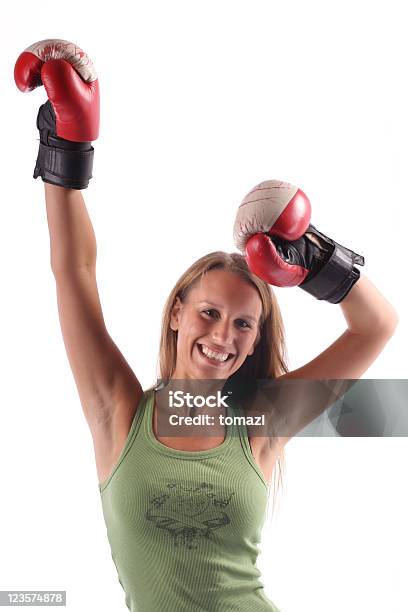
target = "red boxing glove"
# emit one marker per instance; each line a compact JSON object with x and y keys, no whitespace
{"x":282,"y":247}
{"x":69,"y":121}
{"x":272,"y":208}
{"x":70,"y":81}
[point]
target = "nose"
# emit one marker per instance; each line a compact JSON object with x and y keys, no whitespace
{"x":222,"y":332}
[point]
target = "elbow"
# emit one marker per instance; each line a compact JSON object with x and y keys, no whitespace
{"x":383,"y":325}
{"x":390,"y":323}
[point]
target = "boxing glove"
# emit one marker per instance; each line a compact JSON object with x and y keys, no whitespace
{"x":273,"y":229}
{"x":69,"y":121}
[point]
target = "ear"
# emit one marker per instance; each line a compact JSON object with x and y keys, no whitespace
{"x":257,"y":339}
{"x":175,"y":314}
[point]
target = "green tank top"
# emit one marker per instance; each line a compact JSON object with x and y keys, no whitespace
{"x":184,"y":526}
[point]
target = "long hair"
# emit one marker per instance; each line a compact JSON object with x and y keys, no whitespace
{"x":269,"y":359}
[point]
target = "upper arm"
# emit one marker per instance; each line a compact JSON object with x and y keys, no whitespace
{"x":326,"y":378}
{"x":108,"y":389}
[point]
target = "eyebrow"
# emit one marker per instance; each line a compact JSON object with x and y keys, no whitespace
{"x":218,"y":306}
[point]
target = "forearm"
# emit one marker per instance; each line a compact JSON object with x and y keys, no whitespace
{"x":367,"y":311}
{"x":72,"y":238}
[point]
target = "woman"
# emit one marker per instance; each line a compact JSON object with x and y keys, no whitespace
{"x":183,"y":515}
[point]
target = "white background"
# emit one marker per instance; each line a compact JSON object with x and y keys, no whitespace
{"x":200,"y":102}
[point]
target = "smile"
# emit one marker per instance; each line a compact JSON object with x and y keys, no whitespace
{"x":212,"y":356}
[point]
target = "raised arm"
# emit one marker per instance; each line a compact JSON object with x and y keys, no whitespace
{"x":68,"y":123}
{"x":104,"y":380}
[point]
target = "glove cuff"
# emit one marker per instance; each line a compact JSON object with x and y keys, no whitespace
{"x":337,"y":276}
{"x":64,"y":167}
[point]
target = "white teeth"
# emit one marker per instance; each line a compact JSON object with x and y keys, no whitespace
{"x":213,"y":355}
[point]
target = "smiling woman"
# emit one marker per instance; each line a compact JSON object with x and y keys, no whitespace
{"x":220,"y":338}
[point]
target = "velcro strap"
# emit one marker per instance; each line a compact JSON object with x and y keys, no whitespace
{"x":71,"y":169}
{"x":333,"y":282}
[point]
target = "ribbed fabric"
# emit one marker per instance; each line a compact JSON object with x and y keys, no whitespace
{"x":184,"y":526}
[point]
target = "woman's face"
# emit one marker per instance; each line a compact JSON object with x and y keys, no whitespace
{"x":219,"y":317}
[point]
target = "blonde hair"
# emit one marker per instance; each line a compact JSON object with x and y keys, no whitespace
{"x":269,"y":359}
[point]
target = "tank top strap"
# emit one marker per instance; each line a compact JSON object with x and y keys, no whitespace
{"x":242,"y":439}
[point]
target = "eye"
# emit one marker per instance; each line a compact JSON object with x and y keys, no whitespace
{"x":209,"y":310}
{"x":244,"y":322}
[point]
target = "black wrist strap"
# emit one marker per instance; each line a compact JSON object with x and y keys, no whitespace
{"x":66,"y":168}
{"x":336,"y":278}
